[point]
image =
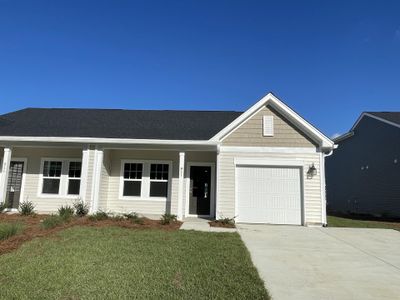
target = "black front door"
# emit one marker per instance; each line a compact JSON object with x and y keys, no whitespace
{"x":200,"y":190}
{"x":14,"y":184}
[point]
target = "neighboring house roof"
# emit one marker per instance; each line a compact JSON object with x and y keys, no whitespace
{"x":116,"y":123}
{"x":391,"y":118}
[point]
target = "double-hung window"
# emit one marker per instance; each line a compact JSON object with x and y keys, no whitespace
{"x":74,"y":177}
{"x":133,"y":179}
{"x":51,"y":177}
{"x":145,"y":180}
{"x":60,"y":177}
{"x":159,"y":180}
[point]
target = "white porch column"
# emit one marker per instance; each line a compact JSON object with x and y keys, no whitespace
{"x":5,"y":170}
{"x":97,"y":166}
{"x":85,"y":172}
{"x":217,"y":211}
{"x":181,"y":184}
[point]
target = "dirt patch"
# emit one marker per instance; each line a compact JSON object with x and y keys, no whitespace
{"x":33,"y":227}
{"x":221,"y":224}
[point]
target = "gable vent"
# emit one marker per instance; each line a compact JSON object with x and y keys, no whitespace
{"x":268,"y":125}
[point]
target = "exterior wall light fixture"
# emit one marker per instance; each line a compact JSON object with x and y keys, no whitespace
{"x":312,"y":171}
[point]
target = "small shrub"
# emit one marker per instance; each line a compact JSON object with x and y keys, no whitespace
{"x":167,"y":219}
{"x":52,"y":221}
{"x":9,"y":229}
{"x":224,"y":222}
{"x":26,"y":208}
{"x":116,"y":217}
{"x":81,"y":208}
{"x":99,"y":216}
{"x":66,"y":212}
{"x":134,"y":218}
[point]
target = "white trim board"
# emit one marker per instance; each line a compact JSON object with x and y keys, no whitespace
{"x":234,"y":149}
{"x":106,"y":140}
{"x":303,"y":125}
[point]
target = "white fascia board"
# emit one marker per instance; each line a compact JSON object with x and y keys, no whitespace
{"x":309,"y":129}
{"x":235,"y":149}
{"x":373,"y":117}
{"x":105,"y":140}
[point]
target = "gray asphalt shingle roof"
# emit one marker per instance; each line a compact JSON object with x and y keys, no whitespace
{"x":116,"y":123}
{"x":389,"y":116}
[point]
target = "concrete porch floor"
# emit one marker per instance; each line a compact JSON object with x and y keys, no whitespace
{"x":201,"y":224}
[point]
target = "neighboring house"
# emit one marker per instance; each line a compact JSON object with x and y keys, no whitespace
{"x":265,"y":165}
{"x":363,"y":175}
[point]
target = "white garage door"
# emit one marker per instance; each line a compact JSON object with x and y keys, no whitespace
{"x":269,"y":195}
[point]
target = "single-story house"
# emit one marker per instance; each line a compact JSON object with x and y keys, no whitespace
{"x":264,"y":165}
{"x":363,"y":175}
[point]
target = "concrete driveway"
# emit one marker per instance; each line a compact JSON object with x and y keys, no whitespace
{"x":325,"y":263}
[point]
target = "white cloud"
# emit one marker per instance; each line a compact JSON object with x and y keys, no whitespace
{"x":335,"y":135}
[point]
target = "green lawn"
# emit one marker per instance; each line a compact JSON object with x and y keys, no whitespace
{"x":348,"y":222}
{"x":119,"y":263}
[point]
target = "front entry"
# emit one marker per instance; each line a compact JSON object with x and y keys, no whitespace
{"x":14,"y":184}
{"x":200,"y":190}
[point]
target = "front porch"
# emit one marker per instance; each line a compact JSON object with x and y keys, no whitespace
{"x":148,"y":180}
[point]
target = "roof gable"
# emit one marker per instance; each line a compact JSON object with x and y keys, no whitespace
{"x":271,"y":100}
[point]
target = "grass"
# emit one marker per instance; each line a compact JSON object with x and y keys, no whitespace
{"x":119,"y":263}
{"x":53,"y":221}
{"x":334,"y":221}
{"x":9,"y":229}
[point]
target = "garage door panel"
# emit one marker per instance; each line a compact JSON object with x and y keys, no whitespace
{"x":269,"y":195}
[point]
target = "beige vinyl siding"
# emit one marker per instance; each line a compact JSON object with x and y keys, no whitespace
{"x":250,"y":133}
{"x":147,"y":206}
{"x":31,"y":188}
{"x":312,"y":187}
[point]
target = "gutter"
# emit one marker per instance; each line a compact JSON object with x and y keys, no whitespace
{"x":91,"y":140}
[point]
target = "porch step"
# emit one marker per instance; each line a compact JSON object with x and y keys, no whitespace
{"x":198,"y":224}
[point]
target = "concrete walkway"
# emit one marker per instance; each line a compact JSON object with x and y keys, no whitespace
{"x":325,"y":263}
{"x":202,"y":225}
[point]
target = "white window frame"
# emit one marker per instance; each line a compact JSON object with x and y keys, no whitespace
{"x":64,"y":179}
{"x":145,"y":187}
{"x":132,"y":179}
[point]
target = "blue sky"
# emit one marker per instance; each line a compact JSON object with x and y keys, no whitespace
{"x":329,"y":60}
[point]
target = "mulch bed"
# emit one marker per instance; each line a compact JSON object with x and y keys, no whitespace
{"x":33,"y":228}
{"x":221,"y":224}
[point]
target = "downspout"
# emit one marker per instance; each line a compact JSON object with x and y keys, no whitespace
{"x":323,"y":184}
